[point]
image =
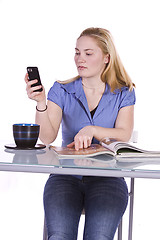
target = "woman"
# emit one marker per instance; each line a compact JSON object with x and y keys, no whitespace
{"x":96,"y":104}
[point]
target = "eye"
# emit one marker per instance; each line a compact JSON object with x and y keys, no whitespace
{"x":77,"y":53}
{"x":89,"y":53}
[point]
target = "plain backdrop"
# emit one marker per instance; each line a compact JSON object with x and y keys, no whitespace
{"x":43,"y":33}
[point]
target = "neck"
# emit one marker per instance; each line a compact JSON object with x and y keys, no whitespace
{"x":93,"y":84}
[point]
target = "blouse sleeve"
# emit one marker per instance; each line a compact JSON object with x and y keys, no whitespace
{"x":127,"y":98}
{"x":56,"y":94}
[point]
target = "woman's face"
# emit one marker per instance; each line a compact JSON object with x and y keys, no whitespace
{"x":89,"y":58}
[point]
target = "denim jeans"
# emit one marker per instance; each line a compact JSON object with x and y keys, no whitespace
{"x":103,"y":198}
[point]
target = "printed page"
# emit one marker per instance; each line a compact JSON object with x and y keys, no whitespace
{"x":93,"y":150}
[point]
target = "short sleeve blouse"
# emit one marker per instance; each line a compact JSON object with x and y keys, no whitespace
{"x":76,"y":115}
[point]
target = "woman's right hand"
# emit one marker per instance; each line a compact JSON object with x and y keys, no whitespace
{"x":37,"y":96}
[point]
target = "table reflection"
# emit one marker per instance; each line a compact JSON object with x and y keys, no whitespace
{"x":25,"y":156}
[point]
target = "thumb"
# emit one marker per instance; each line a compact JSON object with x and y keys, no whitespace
{"x":70,"y":145}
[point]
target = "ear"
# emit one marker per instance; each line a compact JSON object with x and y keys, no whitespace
{"x":106,"y":59}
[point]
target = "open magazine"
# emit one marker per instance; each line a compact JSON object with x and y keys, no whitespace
{"x":120,"y":150}
{"x":93,"y":150}
{"x":123,"y":150}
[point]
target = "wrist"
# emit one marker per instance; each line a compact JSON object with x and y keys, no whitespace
{"x":41,"y":106}
{"x":93,"y":129}
{"x":41,"y":110}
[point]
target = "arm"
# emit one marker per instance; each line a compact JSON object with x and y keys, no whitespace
{"x":123,"y":126}
{"x":122,"y":131}
{"x":48,"y":120}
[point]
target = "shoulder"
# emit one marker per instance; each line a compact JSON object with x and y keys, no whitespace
{"x":125,"y":91}
{"x":124,"y":96}
{"x":67,"y":87}
{"x":127,"y":96}
{"x":59,"y":91}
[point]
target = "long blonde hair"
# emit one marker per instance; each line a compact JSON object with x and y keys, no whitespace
{"x":114,"y":73}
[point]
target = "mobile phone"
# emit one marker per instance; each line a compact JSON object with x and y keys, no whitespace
{"x":33,"y":73}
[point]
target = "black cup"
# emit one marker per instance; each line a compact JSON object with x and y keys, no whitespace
{"x":25,"y":135}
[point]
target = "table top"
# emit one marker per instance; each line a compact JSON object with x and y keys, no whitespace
{"x":46,"y":161}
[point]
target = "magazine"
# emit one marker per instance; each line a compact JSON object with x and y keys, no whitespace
{"x":120,"y":150}
{"x":124,"y":150}
{"x":93,"y":150}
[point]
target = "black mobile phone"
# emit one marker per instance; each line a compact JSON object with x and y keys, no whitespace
{"x":33,"y":73}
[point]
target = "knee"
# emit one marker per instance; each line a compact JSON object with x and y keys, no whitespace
{"x":57,"y":235}
{"x":98,"y":235}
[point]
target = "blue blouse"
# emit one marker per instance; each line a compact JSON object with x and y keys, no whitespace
{"x":76,"y":115}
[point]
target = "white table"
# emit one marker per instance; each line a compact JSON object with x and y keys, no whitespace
{"x":45,"y":161}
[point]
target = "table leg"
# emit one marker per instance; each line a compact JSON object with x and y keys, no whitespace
{"x":120,"y":230}
{"x":131,"y":210}
{"x":44,"y":231}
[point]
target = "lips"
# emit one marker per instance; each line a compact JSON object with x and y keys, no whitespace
{"x":81,"y":67}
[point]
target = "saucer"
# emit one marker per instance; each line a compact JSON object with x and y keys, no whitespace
{"x":36,"y":147}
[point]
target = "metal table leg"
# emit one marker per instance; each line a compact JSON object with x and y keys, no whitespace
{"x":130,"y":229}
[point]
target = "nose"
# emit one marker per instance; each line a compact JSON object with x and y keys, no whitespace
{"x":80,"y":58}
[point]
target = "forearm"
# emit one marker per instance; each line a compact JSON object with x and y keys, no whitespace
{"x":122,"y":130}
{"x":47,"y":133}
{"x":121,"y":134}
{"x":123,"y":126}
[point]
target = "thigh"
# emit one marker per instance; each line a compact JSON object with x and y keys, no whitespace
{"x":105,"y":202}
{"x":63,"y":204}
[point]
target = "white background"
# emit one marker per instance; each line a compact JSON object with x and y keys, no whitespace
{"x":43,"y":34}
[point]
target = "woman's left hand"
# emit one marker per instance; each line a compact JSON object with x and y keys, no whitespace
{"x":83,"y":138}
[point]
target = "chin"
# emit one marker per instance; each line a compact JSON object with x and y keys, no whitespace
{"x":83,"y":75}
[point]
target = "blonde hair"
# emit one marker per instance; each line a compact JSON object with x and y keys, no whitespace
{"x":114,"y":73}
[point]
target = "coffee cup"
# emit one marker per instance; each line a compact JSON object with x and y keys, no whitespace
{"x":26,"y":135}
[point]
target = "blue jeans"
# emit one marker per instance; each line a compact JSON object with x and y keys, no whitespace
{"x":103,"y":198}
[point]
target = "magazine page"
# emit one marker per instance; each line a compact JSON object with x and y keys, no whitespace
{"x":93,"y":150}
{"x":129,"y":150}
{"x":135,"y":156}
{"x":126,"y":149}
{"x":110,"y":144}
{"x":118,"y":146}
